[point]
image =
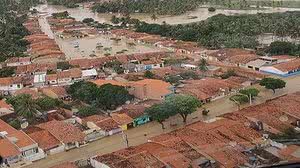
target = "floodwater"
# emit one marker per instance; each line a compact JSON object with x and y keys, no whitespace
{"x":102,"y":45}
{"x":189,"y":17}
{"x":93,"y":46}
{"x":99,"y":46}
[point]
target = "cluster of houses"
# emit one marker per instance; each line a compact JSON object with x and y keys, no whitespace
{"x":280,"y":65}
{"x":236,"y":139}
{"x":70,"y":28}
{"x":42,"y":48}
{"x":239,"y":139}
{"x":64,"y":130}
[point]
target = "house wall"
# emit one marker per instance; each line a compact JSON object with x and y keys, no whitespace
{"x":97,"y":164}
{"x":17,"y":64}
{"x":35,"y":154}
{"x":64,"y":81}
{"x":58,"y":149}
{"x":52,"y":82}
{"x":12,"y":159}
{"x":12,"y":87}
{"x":115,"y":131}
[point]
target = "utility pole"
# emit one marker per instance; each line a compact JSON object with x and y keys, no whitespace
{"x":250,"y":99}
{"x":125,"y":139}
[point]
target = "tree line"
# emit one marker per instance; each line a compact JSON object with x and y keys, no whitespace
{"x":13,"y":14}
{"x":238,"y":31}
{"x":170,"y":7}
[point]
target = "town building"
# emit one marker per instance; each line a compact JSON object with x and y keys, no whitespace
{"x":16,"y":146}
{"x":151,"y":89}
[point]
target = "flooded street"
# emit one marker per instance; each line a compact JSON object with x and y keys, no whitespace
{"x":189,"y":17}
{"x":93,"y":46}
{"x":99,"y":46}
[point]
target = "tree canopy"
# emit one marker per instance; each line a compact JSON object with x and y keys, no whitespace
{"x":24,"y":106}
{"x":160,"y":113}
{"x":170,"y":7}
{"x":87,"y":111}
{"x":106,"y":97}
{"x":111,"y":96}
{"x":272,"y":83}
{"x":183,"y":105}
{"x":238,"y":31}
{"x":12,"y":32}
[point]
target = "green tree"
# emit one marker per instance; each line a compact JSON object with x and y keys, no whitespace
{"x":148,"y":74}
{"x":183,"y":105}
{"x":228,"y":74}
{"x":24,"y":106}
{"x":87,"y":111}
{"x":253,"y":92}
{"x":84,"y":91}
{"x":160,"y":113}
{"x":189,"y":75}
{"x":47,"y":103}
{"x":154,"y":17}
{"x":7,"y":72}
{"x":272,"y":83}
{"x":114,"y":20}
{"x":282,"y":47}
{"x":15,"y":123}
{"x":110,"y":96}
{"x":211,"y":9}
{"x":239,"y":99}
{"x":203,"y":65}
{"x":88,"y":20}
{"x":173,"y":79}
{"x":64,"y":65}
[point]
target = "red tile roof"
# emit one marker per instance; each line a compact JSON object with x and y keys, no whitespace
{"x":289,"y":66}
{"x":121,"y":118}
{"x":45,"y":139}
{"x":22,"y":139}
{"x":64,"y":132}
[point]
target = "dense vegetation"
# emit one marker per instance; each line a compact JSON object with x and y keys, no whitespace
{"x":67,"y":3}
{"x":12,"y":32}
{"x":170,"y":7}
{"x":105,"y":97}
{"x":27,"y":107}
{"x":239,"y":31}
{"x":283,"y":48}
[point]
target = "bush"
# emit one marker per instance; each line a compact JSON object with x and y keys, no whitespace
{"x":88,"y":20}
{"x":211,"y":9}
{"x":15,"y":123}
{"x":228,"y":74}
{"x":87,"y":111}
{"x":149,"y":75}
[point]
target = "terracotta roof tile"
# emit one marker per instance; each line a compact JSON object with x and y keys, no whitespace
{"x":45,"y":139}
{"x":64,"y":132}
{"x":121,"y":118}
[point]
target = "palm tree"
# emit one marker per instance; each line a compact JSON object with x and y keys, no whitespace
{"x":203,"y":65}
{"x":25,"y":106}
{"x":154,"y":17}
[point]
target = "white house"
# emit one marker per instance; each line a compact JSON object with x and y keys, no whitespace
{"x":11,"y":84}
{"x":89,"y":74}
{"x":283,"y":69}
{"x":39,"y":79}
{"x":17,"y":146}
{"x":17,"y":61}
